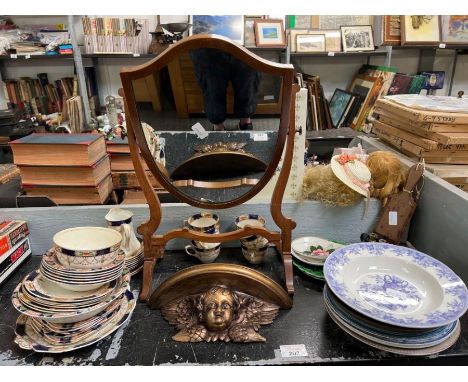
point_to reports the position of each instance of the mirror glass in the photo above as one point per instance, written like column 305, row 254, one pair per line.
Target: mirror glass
column 211, row 123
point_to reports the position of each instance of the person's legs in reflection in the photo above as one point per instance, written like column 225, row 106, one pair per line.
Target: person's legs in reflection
column 212, row 75
column 245, row 82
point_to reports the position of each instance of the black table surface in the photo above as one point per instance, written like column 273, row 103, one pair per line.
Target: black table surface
column 146, row 338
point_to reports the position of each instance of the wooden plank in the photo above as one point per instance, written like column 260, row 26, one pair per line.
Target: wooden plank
column 426, row 126
column 444, row 138
column 422, row 115
column 447, row 171
column 426, row 144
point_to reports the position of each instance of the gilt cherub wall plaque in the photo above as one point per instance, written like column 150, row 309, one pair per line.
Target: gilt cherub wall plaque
column 219, row 314
column 209, row 303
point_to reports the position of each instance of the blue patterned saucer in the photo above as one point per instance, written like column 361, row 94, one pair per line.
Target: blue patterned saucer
column 396, row 285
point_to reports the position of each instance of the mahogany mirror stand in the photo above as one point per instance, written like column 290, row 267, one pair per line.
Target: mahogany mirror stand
column 154, row 244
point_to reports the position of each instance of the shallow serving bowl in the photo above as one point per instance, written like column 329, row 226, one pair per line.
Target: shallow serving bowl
column 88, row 241
column 396, row 285
column 314, row 247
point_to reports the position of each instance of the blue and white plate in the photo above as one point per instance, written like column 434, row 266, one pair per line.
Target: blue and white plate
column 396, row 285
column 386, row 334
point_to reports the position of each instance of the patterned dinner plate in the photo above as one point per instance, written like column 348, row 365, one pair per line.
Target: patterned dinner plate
column 27, row 338
column 396, row 285
column 308, row 260
column 312, row 271
column 43, row 289
column 79, row 314
column 387, row 334
column 314, row 248
column 398, row 350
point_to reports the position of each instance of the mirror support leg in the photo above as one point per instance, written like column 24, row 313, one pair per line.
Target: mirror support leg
column 148, row 269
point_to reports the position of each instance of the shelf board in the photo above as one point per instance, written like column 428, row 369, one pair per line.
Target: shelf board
column 117, row 55
column 336, row 54
column 7, row 57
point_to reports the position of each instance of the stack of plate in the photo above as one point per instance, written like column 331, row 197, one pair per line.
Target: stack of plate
column 79, row 294
column 310, row 254
column 134, row 261
column 394, row 298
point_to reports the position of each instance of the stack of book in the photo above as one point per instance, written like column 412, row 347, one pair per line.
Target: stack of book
column 116, row 35
column 123, row 172
column 433, row 128
column 67, row 168
column 14, row 246
column 37, row 95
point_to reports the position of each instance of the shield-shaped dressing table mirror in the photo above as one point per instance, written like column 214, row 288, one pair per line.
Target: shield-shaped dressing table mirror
column 204, row 168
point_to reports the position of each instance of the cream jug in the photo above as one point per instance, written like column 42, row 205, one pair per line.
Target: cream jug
column 121, row 220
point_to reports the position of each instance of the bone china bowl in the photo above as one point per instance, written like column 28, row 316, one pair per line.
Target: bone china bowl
column 87, row 241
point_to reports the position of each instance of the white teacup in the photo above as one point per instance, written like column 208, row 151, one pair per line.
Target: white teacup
column 204, row 255
column 254, row 254
column 205, row 222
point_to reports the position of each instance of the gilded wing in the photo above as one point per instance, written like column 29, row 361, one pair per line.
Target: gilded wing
column 180, row 312
column 255, row 312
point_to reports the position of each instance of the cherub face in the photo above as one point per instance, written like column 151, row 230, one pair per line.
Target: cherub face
column 218, row 310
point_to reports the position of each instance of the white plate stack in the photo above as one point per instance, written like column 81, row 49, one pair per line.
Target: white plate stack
column 79, row 295
column 394, row 298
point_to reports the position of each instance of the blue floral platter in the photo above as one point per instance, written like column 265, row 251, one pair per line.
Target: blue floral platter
column 396, row 285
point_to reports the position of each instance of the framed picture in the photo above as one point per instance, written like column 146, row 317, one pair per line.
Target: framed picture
column 249, row 31
column 364, row 86
column 292, row 33
column 357, row 38
column 231, row 26
column 339, row 105
column 420, row 30
column 391, row 30
column 270, row 33
column 332, row 39
column 310, row 43
column 454, row 29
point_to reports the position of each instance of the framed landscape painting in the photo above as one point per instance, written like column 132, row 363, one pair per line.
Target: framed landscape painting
column 309, row 43
column 270, row 33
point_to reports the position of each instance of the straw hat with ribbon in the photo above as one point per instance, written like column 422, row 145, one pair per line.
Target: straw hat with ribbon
column 352, row 172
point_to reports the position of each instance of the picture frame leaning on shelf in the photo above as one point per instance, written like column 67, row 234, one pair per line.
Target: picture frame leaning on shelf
column 357, row 38
column 269, row 33
column 420, row 30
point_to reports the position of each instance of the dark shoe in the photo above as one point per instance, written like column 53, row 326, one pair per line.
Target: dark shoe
column 246, row 126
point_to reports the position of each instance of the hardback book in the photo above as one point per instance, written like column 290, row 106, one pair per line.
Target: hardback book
column 58, row 149
column 128, row 179
column 420, row 115
column 66, row 195
column 123, row 162
column 66, row 175
column 11, row 232
column 8, row 170
column 13, row 259
column 118, row 146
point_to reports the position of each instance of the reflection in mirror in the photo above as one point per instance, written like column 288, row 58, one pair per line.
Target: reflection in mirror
column 211, row 121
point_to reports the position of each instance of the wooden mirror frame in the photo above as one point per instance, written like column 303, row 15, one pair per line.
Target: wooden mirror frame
column 154, row 244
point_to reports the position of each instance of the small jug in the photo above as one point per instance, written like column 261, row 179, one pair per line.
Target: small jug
column 121, row 220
